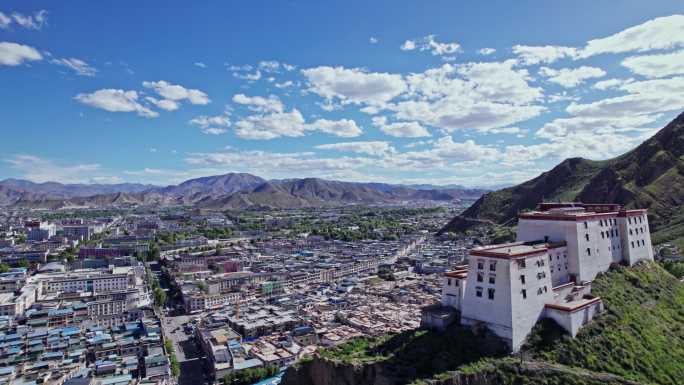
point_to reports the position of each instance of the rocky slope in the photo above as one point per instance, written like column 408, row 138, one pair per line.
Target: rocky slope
column 650, row 176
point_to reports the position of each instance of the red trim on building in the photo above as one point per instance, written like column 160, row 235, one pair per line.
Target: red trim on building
column 575, row 308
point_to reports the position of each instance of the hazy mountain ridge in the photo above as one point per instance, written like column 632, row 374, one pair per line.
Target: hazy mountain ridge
column 229, row 191
column 650, row 176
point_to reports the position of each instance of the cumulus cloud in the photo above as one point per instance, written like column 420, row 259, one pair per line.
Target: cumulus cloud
column 212, row 125
column 37, row 169
column 260, row 104
column 13, row 54
column 571, row 77
column 645, row 97
column 35, row 21
column 115, row 100
column 354, row 85
column 659, row 33
column 5, row 21
column 275, row 124
column 199, row 64
column 374, row 148
column 373, row 40
column 531, row 55
column 611, row 83
column 177, row 93
column 656, row 66
column 164, row 104
column 400, row 129
column 77, row 65
column 469, row 96
column 486, row 51
column 430, row 44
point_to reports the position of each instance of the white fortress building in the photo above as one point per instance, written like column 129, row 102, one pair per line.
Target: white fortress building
column 547, row 272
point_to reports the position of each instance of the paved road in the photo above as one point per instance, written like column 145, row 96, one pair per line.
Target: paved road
column 188, row 353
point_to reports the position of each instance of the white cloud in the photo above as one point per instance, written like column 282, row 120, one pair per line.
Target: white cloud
column 571, row 77
column 531, row 55
column 400, row 129
column 249, row 77
column 13, row 54
column 659, row 33
column 656, row 66
column 345, row 128
column 611, row 83
column 164, row 104
column 643, row 98
column 199, row 64
column 260, row 104
column 114, row 100
column 37, row 169
column 429, row 43
column 269, row 65
column 212, row 125
column 373, row 40
column 79, row 66
column 354, row 85
column 207, row 121
column 285, row 84
column 374, row 148
column 577, row 125
column 409, row 45
column 214, row 130
column 37, row 21
column 5, row 21
column 486, row 51
column 469, row 96
column 275, row 124
column 177, row 93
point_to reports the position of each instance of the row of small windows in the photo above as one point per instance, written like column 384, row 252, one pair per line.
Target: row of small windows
column 565, row 256
column 639, row 243
column 606, row 222
column 610, row 234
column 479, row 291
column 637, row 230
column 640, row 219
column 540, row 291
column 492, row 278
column 492, row 265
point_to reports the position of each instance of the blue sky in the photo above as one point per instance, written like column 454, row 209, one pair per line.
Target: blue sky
column 469, row 92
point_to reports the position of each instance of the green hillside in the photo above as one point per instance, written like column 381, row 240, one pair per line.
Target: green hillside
column 639, row 339
column 650, row 176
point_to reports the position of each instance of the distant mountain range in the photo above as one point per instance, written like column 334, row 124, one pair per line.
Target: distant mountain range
column 229, row 191
column 650, row 176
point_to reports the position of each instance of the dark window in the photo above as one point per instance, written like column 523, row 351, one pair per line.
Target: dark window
column 490, row 293
column 586, row 225
column 492, row 266
column 480, row 277
column 524, row 293
column 522, row 279
column 632, row 244
column 480, row 265
column 587, row 237
column 478, row 291
column 492, row 279
column 449, row 282
column 588, row 251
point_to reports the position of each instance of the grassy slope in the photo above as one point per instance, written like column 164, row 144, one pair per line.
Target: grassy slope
column 640, row 337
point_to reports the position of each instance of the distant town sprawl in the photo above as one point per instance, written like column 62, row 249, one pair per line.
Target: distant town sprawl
column 128, row 296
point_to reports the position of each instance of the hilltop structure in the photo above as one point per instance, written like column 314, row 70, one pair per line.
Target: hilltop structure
column 547, row 272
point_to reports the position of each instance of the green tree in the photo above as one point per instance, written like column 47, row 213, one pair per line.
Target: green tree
column 153, row 253
column 23, row 263
column 4, row 268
